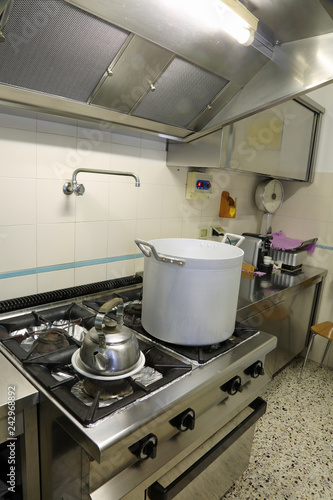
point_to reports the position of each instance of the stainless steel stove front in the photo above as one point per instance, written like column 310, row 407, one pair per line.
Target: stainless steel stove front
column 153, row 447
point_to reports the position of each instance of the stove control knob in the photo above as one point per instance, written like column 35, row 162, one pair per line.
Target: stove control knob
column 185, row 421
column 233, row 386
column 255, row 370
column 145, row 448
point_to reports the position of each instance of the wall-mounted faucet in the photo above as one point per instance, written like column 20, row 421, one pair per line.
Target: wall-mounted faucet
column 79, row 189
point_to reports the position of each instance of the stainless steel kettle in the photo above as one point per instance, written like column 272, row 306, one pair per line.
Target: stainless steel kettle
column 110, row 348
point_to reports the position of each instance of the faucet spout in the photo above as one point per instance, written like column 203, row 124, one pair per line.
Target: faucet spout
column 79, row 189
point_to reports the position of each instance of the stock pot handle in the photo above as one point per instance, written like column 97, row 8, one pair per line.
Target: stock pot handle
column 151, row 250
column 240, row 238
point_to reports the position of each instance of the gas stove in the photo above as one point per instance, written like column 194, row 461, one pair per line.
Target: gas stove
column 197, row 354
column 44, row 341
column 129, row 432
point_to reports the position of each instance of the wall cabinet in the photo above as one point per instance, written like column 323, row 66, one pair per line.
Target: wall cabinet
column 278, row 142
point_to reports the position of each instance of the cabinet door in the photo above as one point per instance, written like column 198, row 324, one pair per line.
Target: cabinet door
column 289, row 321
column 279, row 142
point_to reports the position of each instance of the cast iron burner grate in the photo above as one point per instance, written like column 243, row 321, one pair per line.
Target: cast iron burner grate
column 200, row 354
column 42, row 368
column 203, row 354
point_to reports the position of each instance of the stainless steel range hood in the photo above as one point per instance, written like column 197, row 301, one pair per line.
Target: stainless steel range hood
column 154, row 67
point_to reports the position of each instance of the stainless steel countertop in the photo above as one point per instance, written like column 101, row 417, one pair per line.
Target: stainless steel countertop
column 25, row 393
column 268, row 290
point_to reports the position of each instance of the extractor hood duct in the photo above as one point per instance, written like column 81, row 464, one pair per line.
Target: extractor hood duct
column 153, row 66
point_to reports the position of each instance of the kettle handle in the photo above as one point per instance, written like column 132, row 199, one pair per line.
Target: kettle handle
column 158, row 256
column 240, row 238
column 108, row 327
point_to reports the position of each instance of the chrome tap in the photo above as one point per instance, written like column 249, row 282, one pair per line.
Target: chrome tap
column 79, row 189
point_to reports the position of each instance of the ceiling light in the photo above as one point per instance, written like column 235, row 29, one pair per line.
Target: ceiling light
column 237, row 21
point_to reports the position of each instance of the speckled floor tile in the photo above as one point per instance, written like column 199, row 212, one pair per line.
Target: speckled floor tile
column 292, row 454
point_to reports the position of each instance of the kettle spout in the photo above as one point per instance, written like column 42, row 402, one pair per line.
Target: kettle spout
column 100, row 361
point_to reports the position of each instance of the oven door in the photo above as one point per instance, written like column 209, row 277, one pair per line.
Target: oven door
column 211, row 470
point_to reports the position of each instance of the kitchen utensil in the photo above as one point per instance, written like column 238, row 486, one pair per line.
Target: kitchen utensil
column 109, row 348
column 190, row 289
column 256, row 247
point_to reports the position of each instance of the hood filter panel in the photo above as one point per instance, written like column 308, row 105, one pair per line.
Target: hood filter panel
column 55, row 48
column 182, row 93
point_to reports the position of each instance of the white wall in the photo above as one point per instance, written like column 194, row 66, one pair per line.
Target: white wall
column 307, row 212
column 49, row 240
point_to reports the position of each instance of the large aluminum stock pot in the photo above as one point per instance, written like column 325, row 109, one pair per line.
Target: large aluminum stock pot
column 190, row 289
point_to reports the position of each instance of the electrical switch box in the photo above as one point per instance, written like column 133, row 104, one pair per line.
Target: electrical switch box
column 199, row 186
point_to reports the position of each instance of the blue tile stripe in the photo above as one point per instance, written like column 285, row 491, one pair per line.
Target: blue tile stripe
column 70, row 265
column 324, row 247
column 85, row 263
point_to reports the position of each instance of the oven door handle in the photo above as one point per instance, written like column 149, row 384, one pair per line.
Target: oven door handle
column 158, row 492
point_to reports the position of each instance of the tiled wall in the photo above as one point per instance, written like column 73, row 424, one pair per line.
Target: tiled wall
column 49, row 240
column 307, row 212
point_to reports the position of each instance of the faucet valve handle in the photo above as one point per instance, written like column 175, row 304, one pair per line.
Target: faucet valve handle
column 79, row 189
column 70, row 188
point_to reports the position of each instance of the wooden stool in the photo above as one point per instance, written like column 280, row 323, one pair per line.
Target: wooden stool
column 324, row 330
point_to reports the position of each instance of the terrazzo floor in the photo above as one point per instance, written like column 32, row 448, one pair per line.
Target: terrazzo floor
column 292, row 454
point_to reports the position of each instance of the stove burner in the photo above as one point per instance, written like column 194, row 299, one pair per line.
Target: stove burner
column 132, row 313
column 51, row 340
column 133, row 308
column 116, row 389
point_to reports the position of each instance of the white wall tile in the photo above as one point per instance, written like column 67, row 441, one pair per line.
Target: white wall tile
column 192, row 208
column 317, row 350
column 211, row 206
column 90, row 274
column 174, row 176
column 152, row 166
column 125, row 159
column 95, row 135
column 56, row 125
column 171, row 228
column 321, row 258
column 149, row 202
column 18, row 287
column 18, row 120
column 139, row 265
column 123, row 200
column 295, row 206
column 152, row 142
column 91, row 240
column 55, row 280
column 93, row 205
column 56, row 156
column 93, row 155
column 172, row 201
column 148, row 229
column 53, row 206
column 126, row 138
column 307, row 229
column 55, row 244
column 321, row 185
column 18, row 153
column 318, row 208
column 120, row 269
column 17, row 201
column 190, row 227
column 17, row 248
column 121, row 236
